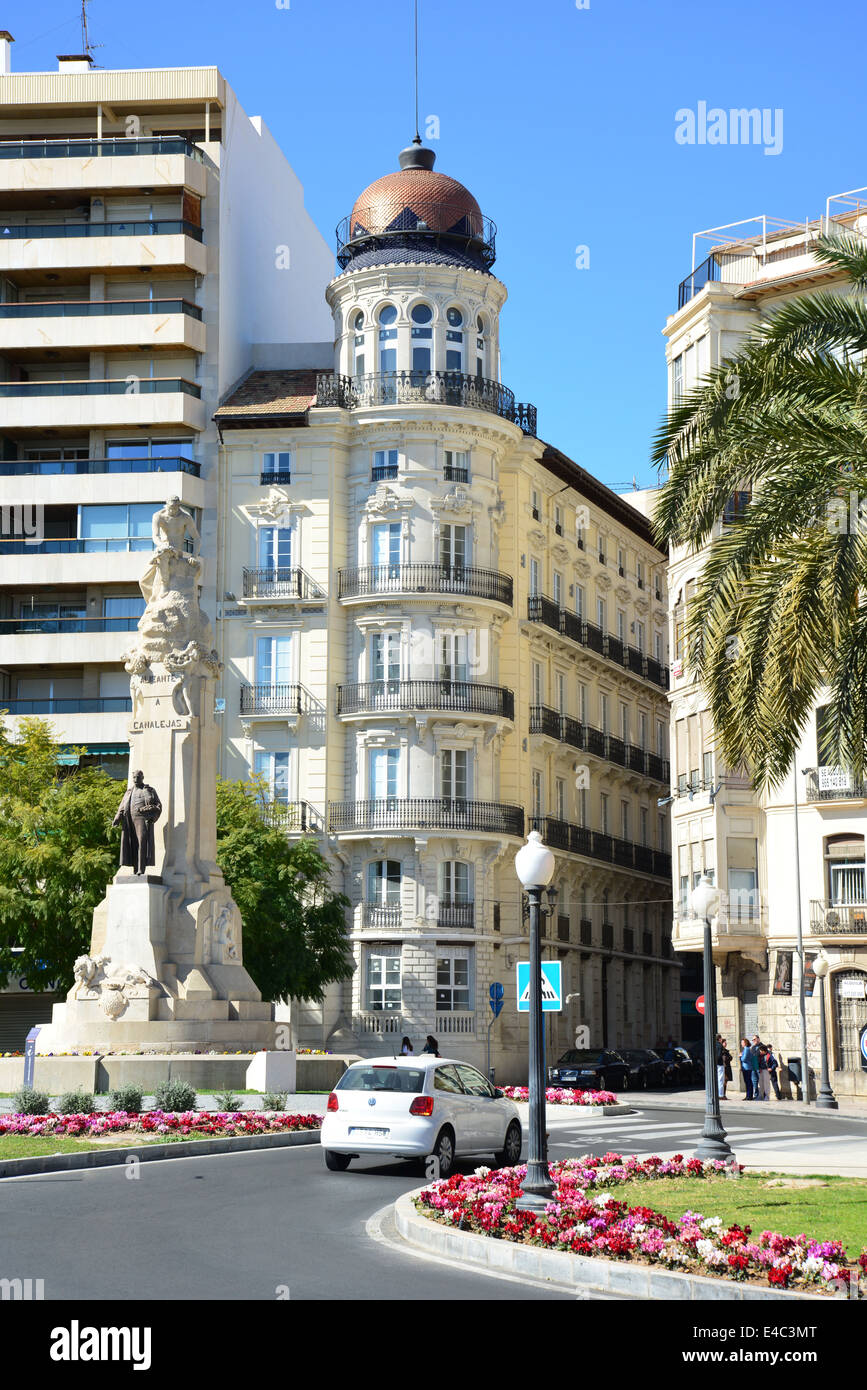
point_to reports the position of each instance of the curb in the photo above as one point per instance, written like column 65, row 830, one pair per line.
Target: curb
column 149, row 1153
column 588, row 1111
column 575, row 1271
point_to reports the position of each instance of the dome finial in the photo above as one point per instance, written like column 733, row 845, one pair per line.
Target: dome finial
column 417, row 156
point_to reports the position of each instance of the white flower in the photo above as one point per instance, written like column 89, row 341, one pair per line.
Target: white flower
column 711, row 1223
column 481, row 1172
column 705, row 1248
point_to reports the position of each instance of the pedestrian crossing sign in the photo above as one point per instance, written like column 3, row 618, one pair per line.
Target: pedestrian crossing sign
column 552, row 986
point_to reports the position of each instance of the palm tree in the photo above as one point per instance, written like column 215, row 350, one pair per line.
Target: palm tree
column 780, row 610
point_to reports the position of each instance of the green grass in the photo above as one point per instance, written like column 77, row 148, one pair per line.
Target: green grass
column 23, row 1146
column 835, row 1211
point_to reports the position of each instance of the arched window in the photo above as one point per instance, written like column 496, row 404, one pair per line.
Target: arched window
column 456, row 894
column 382, row 904
column 481, row 347
column 358, row 356
column 454, row 340
column 387, row 338
column 422, row 338
column 850, row 1016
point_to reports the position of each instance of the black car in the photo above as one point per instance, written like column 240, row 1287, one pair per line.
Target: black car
column 646, row 1068
column 590, row 1070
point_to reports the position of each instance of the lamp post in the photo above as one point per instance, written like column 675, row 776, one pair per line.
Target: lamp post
column 713, row 1137
column 534, row 865
column 825, row 1100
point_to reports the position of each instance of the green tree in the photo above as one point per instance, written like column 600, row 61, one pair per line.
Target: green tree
column 779, row 610
column 57, row 853
column 294, row 924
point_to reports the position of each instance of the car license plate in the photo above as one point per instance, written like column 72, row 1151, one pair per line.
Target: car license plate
column 367, row 1133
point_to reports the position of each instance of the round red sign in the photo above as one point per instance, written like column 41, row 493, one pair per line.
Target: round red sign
column 699, row 1004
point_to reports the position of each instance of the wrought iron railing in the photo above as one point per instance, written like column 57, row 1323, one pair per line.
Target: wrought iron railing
column 383, row 473
column 452, row 915
column 269, row 478
column 578, row 839
column 286, row 583
column 485, row 817
column 21, row 468
column 361, row 582
column 838, row 919
column 541, row 609
column 459, row 228
column 271, row 699
column 467, row 697
column 295, row 817
column 37, row 231
column 704, row 274
column 568, row 730
column 834, row 784
column 451, row 474
column 96, row 308
column 426, row 388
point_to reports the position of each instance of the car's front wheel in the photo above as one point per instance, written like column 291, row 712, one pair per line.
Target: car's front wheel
column 337, row 1163
column 510, row 1154
column 443, row 1153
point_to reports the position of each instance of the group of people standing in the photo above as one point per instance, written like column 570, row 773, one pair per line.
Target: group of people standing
column 430, row 1045
column 759, row 1066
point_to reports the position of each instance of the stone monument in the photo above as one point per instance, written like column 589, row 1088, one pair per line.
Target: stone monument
column 165, row 970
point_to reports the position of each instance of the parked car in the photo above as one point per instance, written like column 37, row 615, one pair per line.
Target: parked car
column 646, row 1068
column 682, row 1069
column 416, row 1107
column 590, row 1070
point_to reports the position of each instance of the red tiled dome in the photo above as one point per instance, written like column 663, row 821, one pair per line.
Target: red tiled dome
column 439, row 201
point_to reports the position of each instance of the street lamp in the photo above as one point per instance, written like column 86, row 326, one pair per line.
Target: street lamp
column 534, row 865
column 825, row 1099
column 705, row 898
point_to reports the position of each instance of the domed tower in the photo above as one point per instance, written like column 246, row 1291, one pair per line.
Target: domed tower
column 425, row 427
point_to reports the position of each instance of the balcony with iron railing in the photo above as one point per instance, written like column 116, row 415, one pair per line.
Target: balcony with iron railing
column 465, row 697
column 293, row 817
column 426, row 388
column 401, row 580
column 457, row 229
column 834, row 784
column 409, row 815
column 541, row 609
column 277, row 700
column 595, row 844
column 832, row 919
column 290, row 583
column 382, row 917
column 741, row 919
column 52, row 231
column 565, row 729
column 94, row 147
column 45, row 468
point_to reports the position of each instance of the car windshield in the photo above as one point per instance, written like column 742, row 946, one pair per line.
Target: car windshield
column 577, row 1059
column 640, row 1055
column 382, row 1079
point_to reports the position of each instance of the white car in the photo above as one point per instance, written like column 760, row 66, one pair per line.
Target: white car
column 418, row 1107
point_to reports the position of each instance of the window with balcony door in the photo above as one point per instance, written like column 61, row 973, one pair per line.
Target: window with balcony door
column 643, row 822
column 557, row 592
column 382, row 905
column 456, row 465
column 387, row 339
column 677, row 380
column 384, row 978
column 422, row 338
column 385, row 462
column 621, row 625
column 642, row 732
column 657, row 647
column 455, row 774
column 453, row 979
column 538, row 684
column 454, row 547
column 277, row 468
column 601, row 615
column 624, row 820
column 604, row 799
column 743, row 877
column 561, row 692
column 582, row 702
column 385, row 661
column 122, row 614
column 603, row 713
column 358, row 343
column 456, row 894
column 534, row 577
column 143, row 448
column 454, row 340
column 453, row 656
column 275, row 548
column 624, row 723
column 580, row 600
column 639, row 636
column 560, row 798
column 275, row 667
column 124, row 527
column 272, row 769
column 844, row 856
column 538, row 794
column 383, row 768
column 385, row 548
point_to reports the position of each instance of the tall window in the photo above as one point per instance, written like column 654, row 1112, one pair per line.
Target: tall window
column 538, row 685
column 385, row 656
column 275, row 547
column 387, row 339
column 455, row 774
column 538, row 794
column 481, row 346
column 560, row 798
column 358, row 345
column 558, row 589
column 384, row 464
column 534, row 576
column 621, row 624
column 601, row 616
column 274, row 664
column 604, row 807
column 454, row 665
column 558, row 520
column 846, row 872
column 383, row 768
column 385, row 546
column 422, row 335
column 277, row 468
column 624, row 820
column 677, row 380
column 456, row 883
column 122, row 527
column 456, row 468
column 639, row 636
column 383, row 978
column 561, row 692
column 643, row 820
column 383, row 883
column 603, row 713
column 454, row 340
column 580, row 601
column 453, row 979
column 624, row 723
column 273, row 769
column 642, row 732
column 453, row 547
column 582, row 702
column 657, row 647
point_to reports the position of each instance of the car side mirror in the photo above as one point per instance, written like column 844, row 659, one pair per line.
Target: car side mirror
column 498, row 1095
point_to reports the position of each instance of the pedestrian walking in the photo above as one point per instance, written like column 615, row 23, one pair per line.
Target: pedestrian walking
column 746, row 1067
column 431, row 1045
column 761, row 1079
column 727, row 1068
column 773, row 1068
column 720, row 1067
column 406, row 1048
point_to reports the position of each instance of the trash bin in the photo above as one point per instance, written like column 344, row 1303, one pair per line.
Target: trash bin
column 794, row 1066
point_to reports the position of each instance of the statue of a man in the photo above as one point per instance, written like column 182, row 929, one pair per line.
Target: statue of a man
column 172, row 525
column 137, row 813
column 171, row 568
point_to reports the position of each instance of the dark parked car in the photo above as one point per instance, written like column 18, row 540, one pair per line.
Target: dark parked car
column 590, row 1070
column 696, row 1053
column 646, row 1068
column 681, row 1069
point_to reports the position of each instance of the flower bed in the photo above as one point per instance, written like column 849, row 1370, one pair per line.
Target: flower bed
column 557, row 1096
column 584, row 1221
column 157, row 1122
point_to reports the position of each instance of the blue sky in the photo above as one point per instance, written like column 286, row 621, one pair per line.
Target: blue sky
column 562, row 123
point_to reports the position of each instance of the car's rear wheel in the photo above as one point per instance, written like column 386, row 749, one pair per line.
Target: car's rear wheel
column 510, row 1153
column 443, row 1152
column 337, row 1163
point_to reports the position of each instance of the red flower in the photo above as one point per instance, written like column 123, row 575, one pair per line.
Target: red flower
column 780, row 1276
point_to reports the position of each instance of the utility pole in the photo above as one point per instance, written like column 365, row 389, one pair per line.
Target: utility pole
column 802, row 1004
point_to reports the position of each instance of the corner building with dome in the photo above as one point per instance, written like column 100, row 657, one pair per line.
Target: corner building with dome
column 439, row 633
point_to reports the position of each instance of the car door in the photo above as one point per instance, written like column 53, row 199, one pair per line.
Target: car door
column 487, row 1120
column 452, row 1106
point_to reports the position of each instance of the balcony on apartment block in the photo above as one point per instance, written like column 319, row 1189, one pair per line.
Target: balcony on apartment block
column 426, row 388
column 277, row 702
column 564, row 729
column 741, row 923
column 92, row 163
column 445, row 696
column 833, row 920
column 406, row 581
column 407, row 816
column 595, row 844
column 279, row 584
column 92, row 325
column 834, row 784
column 78, row 244
column 36, row 640
column 541, row 609
column 123, row 402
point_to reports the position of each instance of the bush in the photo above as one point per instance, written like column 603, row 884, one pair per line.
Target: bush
column 75, row 1103
column 127, row 1098
column 30, row 1102
column 175, row 1096
column 274, row 1100
column 228, row 1101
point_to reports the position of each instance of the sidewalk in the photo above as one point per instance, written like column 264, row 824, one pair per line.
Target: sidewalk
column 737, row 1103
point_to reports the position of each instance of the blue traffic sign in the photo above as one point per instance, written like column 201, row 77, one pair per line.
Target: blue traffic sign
column 497, row 994
column 864, row 1048
column 552, row 986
